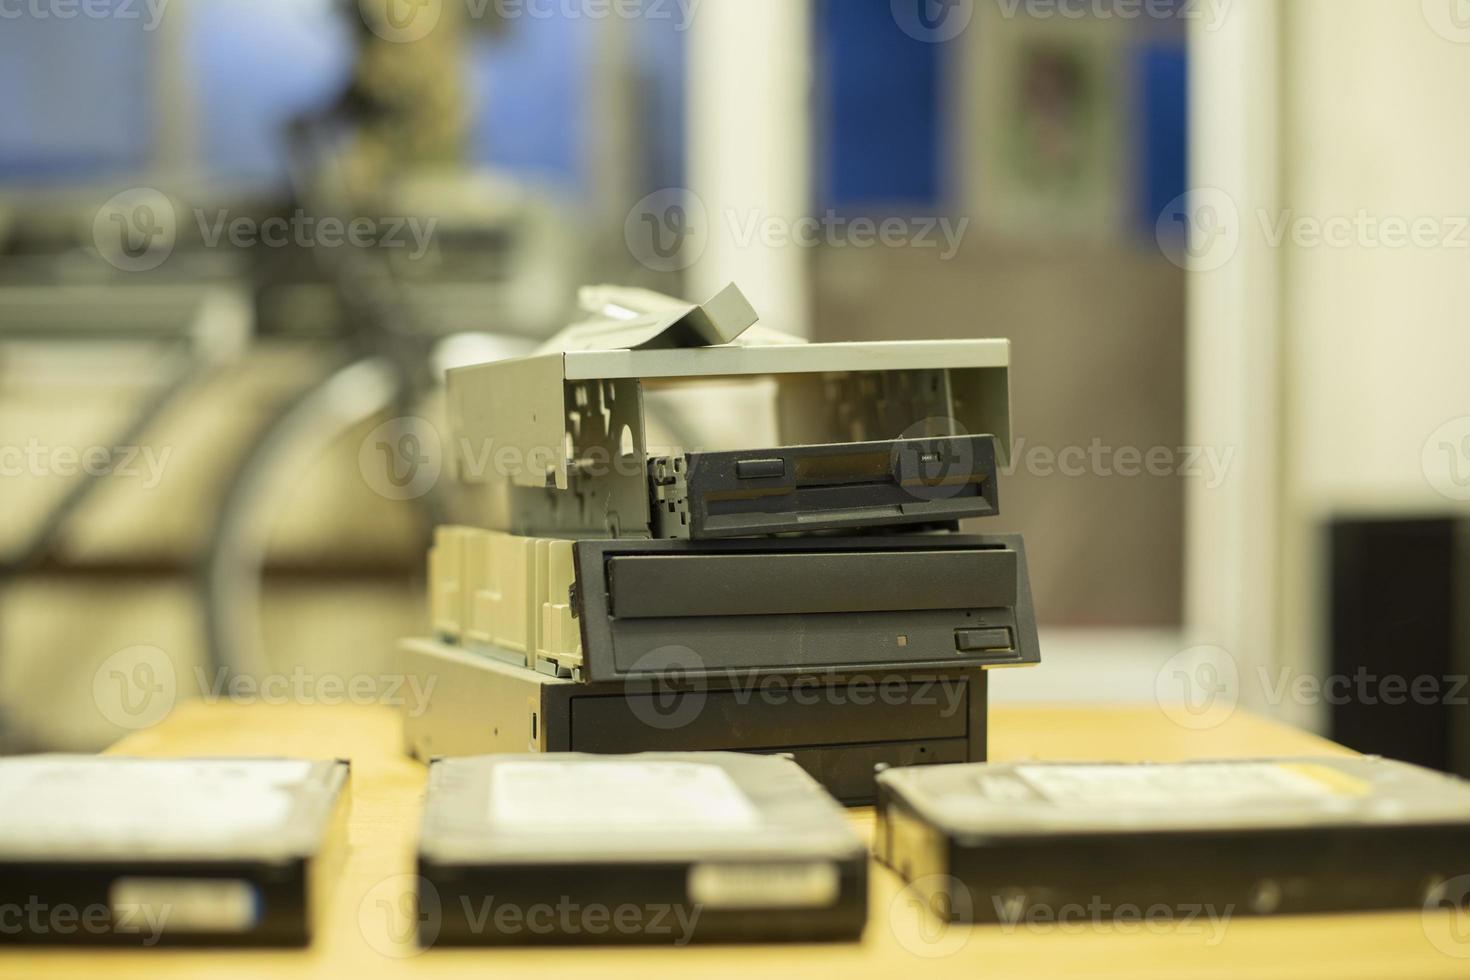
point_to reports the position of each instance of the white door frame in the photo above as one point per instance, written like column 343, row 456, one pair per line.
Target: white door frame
column 1232, row 536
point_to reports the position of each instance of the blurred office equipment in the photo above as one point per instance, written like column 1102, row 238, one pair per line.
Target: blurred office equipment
column 258, row 369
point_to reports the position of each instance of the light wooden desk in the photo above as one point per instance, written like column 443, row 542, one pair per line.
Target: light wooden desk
column 353, row 940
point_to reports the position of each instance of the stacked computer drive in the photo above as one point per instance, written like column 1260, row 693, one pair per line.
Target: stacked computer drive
column 699, row 534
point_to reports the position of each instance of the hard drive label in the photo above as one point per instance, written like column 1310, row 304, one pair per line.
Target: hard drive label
column 617, row 796
column 185, row 905
column 1217, row 784
column 43, row 801
column 744, row 886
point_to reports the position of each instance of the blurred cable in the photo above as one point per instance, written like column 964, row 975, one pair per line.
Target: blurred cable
column 43, row 541
column 234, row 559
column 386, row 364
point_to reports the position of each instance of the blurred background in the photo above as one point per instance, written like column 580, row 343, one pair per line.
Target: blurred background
column 242, row 240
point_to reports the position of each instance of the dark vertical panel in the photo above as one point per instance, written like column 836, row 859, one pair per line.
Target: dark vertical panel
column 1393, row 616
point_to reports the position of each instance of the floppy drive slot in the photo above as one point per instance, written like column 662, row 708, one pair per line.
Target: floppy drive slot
column 935, row 481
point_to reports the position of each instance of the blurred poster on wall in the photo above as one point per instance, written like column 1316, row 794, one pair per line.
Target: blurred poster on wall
column 1047, row 132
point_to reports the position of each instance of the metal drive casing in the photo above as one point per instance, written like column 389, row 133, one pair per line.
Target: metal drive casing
column 144, row 852
column 1006, row 843
column 836, row 726
column 663, row 848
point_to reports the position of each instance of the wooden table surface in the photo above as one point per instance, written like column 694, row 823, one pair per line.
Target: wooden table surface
column 355, row 938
